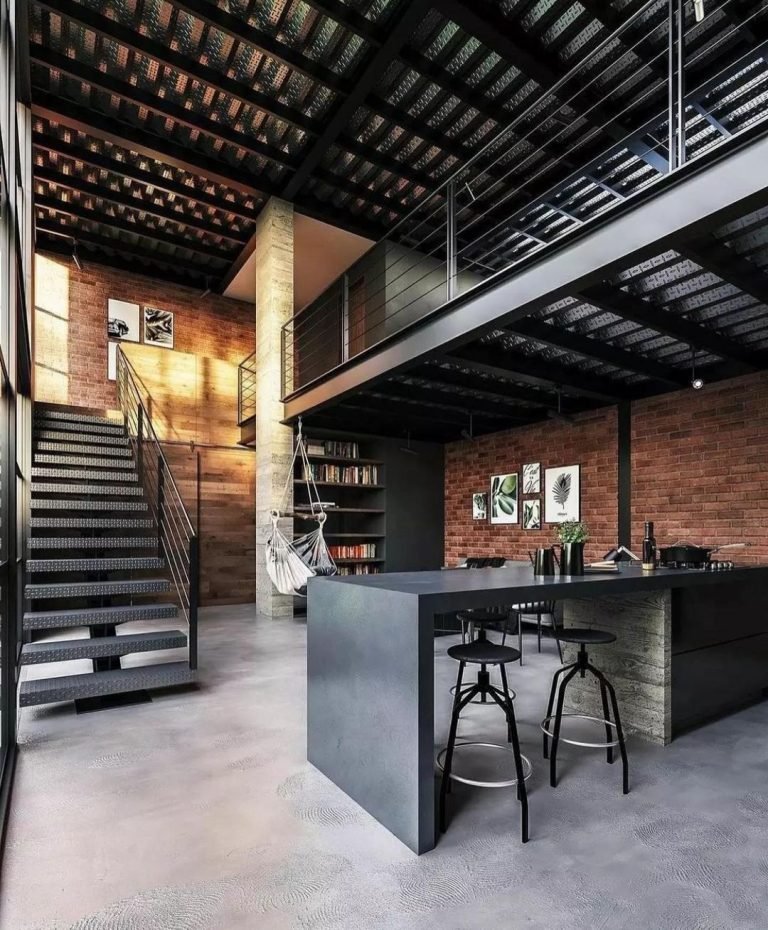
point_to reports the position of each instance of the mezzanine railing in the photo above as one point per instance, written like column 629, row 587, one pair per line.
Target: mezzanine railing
column 246, row 389
column 651, row 86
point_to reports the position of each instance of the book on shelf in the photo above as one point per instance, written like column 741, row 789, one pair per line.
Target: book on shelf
column 343, row 474
column 333, row 448
column 357, row 551
column 358, row 570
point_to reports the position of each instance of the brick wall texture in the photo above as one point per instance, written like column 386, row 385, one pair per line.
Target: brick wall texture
column 698, row 471
column 71, row 326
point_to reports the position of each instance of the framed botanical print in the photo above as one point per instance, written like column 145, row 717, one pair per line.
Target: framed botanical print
column 562, row 493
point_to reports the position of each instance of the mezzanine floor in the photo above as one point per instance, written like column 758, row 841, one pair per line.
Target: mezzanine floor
column 199, row 812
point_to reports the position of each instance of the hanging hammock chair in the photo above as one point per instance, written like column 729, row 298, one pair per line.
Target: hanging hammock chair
column 290, row 563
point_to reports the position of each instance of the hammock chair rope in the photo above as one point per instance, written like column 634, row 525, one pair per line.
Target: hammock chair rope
column 290, row 563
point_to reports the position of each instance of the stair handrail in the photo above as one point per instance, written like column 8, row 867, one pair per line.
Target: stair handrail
column 177, row 539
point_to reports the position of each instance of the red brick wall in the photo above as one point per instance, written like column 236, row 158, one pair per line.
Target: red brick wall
column 71, row 326
column 589, row 442
column 698, row 471
column 699, row 466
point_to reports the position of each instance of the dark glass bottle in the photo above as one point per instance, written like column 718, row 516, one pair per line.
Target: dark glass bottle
column 649, row 548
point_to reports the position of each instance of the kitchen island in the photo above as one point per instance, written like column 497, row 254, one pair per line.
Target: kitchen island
column 692, row 645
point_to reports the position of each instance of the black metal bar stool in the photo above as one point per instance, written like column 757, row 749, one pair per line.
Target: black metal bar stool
column 537, row 609
column 481, row 619
column 483, row 653
column 581, row 666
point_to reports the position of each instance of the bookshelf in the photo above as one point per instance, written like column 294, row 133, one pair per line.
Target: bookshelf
column 355, row 530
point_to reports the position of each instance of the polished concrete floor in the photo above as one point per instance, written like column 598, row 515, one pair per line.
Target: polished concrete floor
column 199, row 812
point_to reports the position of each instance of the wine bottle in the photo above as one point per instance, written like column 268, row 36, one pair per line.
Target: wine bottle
column 649, row 548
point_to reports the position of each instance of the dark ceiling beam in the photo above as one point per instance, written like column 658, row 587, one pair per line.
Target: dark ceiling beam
column 486, row 22
column 367, row 422
column 162, row 107
column 194, row 70
column 495, row 391
column 161, row 236
column 500, row 363
column 402, row 416
column 90, row 122
column 363, row 82
column 142, row 258
column 569, row 341
column 630, row 307
column 126, row 171
column 730, row 267
column 102, row 192
column 401, row 392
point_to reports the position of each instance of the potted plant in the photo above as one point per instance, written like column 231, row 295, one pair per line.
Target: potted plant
column 572, row 535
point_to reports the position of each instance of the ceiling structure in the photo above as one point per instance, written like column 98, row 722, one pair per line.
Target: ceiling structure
column 163, row 126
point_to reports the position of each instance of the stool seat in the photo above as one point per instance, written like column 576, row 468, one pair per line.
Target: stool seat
column 483, row 652
column 482, row 616
column 585, row 637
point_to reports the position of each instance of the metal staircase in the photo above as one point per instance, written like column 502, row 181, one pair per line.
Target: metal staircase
column 110, row 545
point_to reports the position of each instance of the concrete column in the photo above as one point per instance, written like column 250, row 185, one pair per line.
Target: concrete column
column 274, row 442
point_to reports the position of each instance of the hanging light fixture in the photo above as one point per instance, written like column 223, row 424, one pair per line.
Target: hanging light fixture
column 698, row 10
column 697, row 382
column 469, row 433
column 558, row 414
column 75, row 256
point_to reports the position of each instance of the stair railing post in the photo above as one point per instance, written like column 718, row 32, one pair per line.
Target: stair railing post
column 194, row 594
column 140, row 442
column 160, row 504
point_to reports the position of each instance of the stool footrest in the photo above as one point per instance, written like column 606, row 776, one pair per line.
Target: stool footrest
column 573, row 742
column 476, row 783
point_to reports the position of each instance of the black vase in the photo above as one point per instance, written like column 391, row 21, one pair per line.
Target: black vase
column 572, row 558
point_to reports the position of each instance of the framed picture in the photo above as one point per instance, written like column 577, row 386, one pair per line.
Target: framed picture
column 122, row 320
column 112, row 361
column 532, row 478
column 562, row 493
column 158, row 327
column 504, row 495
column 480, row 506
column 532, row 515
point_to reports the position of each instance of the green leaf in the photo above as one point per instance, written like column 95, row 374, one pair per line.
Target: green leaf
column 509, row 485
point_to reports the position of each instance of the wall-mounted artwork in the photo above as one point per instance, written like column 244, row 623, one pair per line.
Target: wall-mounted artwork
column 158, row 327
column 112, row 361
column 504, row 490
column 532, row 515
column 123, row 320
column 480, row 506
column 562, row 494
column 532, row 478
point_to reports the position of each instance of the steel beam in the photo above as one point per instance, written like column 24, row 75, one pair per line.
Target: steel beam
column 729, row 267
column 699, row 197
column 438, row 399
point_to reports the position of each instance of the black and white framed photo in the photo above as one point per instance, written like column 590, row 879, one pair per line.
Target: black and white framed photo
column 123, row 320
column 562, row 494
column 480, row 506
column 504, row 495
column 532, row 515
column 158, row 327
column 532, row 478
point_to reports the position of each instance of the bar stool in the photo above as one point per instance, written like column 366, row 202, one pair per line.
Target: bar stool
column 536, row 609
column 581, row 666
column 482, row 619
column 483, row 653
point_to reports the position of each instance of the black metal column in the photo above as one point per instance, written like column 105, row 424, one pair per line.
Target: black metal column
column 624, row 443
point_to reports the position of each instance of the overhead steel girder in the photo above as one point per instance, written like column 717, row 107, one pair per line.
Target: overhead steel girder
column 698, row 197
column 439, row 399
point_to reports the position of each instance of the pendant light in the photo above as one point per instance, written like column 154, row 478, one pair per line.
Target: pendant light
column 697, row 382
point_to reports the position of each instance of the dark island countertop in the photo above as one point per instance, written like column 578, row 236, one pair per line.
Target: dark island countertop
column 447, row 589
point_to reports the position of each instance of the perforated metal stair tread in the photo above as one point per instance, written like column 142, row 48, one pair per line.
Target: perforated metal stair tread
column 101, row 439
column 81, row 461
column 129, row 563
column 49, row 413
column 51, row 503
column 39, row 487
column 64, row 650
column 97, row 588
column 97, row 616
column 92, row 542
column 79, row 426
column 86, row 474
column 90, row 523
column 97, row 684
column 66, row 447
